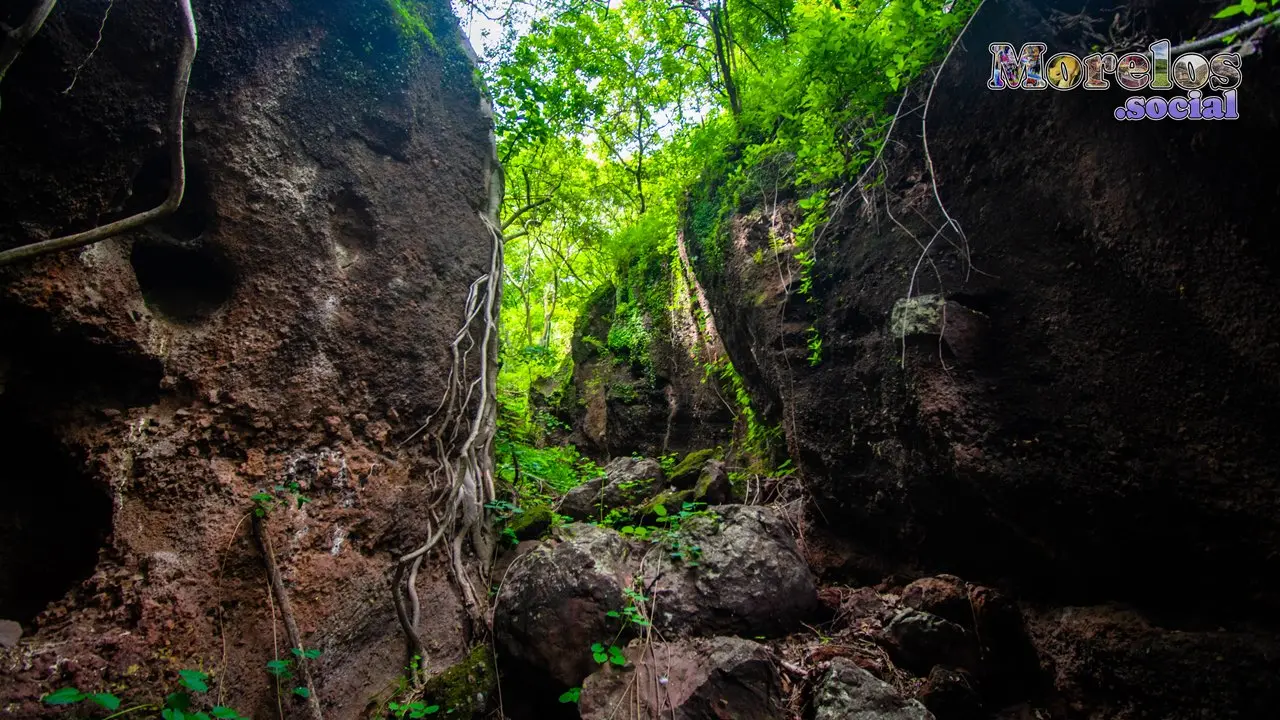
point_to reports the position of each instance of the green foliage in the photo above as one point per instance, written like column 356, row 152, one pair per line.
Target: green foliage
column 621, row 123
column 611, row 654
column 572, row 695
column 265, row 501
column 1246, row 7
column 177, row 705
column 411, row 17
column 283, row 669
column 813, row 340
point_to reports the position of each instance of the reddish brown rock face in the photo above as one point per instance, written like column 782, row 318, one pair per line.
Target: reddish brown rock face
column 290, row 324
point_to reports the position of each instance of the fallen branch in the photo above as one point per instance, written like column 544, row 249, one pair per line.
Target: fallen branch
column 177, row 161
column 1255, row 23
column 286, row 613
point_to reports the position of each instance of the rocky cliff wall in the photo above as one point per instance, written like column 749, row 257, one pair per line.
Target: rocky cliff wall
column 290, row 324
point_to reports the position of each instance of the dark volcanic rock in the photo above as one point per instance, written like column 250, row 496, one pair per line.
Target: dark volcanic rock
column 699, row 679
column 290, row 323
column 1112, row 663
column 750, row 578
column 552, row 605
column 847, row 692
column 1085, row 407
column 919, row 640
column 951, row 695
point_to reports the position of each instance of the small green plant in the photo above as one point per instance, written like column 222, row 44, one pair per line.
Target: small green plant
column 412, row 709
column 572, row 695
column 608, row 654
column 291, row 493
column 282, row 670
column 1246, row 7
column 176, row 705
column 814, row 342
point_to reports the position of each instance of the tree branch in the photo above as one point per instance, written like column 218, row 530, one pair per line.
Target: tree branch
column 531, row 206
column 177, row 164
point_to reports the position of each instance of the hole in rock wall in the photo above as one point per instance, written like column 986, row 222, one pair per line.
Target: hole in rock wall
column 180, row 283
column 53, row 521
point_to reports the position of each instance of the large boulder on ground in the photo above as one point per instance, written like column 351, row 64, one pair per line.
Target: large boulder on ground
column 847, row 692
column 582, row 502
column 553, row 602
column 919, row 640
column 627, row 481
column 700, row 679
column 750, row 578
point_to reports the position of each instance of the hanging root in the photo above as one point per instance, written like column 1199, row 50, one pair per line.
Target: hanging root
column 461, row 430
column 173, row 136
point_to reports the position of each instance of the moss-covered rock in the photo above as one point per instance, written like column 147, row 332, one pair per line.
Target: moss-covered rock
column 531, row 524
column 670, row 500
column 685, row 474
column 465, row 690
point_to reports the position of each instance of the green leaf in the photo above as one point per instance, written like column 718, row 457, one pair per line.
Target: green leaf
column 65, row 696
column 1228, row 11
column 302, row 692
column 613, row 614
column 572, row 695
column 279, row 668
column 193, row 680
column 172, row 714
column 177, row 701
column 225, row 713
column 660, row 510
column 106, row 700
column 600, row 657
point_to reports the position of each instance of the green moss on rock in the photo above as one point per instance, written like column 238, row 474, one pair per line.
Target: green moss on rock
column 533, row 523
column 464, row 690
column 685, row 474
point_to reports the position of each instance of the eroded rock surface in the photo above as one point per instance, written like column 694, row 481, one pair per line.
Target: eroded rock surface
column 847, row 692
column 750, row 578
column 697, row 679
column 289, row 324
column 553, row 603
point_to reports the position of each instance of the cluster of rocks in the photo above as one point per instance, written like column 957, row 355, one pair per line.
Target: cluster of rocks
column 711, row 631
column 640, row 483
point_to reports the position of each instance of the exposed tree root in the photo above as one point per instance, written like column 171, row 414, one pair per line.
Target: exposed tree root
column 461, row 431
column 173, row 133
column 286, row 613
column 16, row 40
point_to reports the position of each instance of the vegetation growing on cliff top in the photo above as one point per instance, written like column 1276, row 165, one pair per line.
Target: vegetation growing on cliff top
column 621, row 124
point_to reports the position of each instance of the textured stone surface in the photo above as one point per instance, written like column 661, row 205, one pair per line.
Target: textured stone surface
column 847, row 692
column 553, row 603
column 750, row 578
column 290, row 324
column 698, row 679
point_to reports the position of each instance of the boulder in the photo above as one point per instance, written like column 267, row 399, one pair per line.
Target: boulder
column 629, row 481
column 750, row 578
column 951, row 695
column 919, row 640
column 713, row 485
column 583, row 502
column 847, row 692
column 553, row 602
column 946, row 596
column 686, row 472
column 698, row 679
